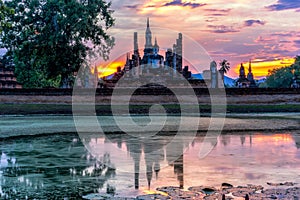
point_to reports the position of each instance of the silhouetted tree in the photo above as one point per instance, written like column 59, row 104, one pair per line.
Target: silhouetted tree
column 283, row 77
column 50, row 40
column 224, row 68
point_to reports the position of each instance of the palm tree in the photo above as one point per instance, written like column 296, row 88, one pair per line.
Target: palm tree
column 224, row 68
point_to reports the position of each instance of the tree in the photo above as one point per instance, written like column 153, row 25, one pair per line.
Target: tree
column 224, row 68
column 4, row 11
column 283, row 77
column 51, row 39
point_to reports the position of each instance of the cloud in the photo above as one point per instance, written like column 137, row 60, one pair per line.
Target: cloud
column 284, row 5
column 218, row 12
column 222, row 29
column 250, row 22
column 262, row 39
column 180, row 3
column 283, row 34
column 241, row 49
column 285, row 42
column 222, row 40
column 297, row 43
column 211, row 20
column 132, row 6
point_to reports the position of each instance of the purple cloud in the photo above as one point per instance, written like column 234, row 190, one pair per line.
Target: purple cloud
column 132, row 6
column 297, row 42
column 250, row 22
column 222, row 29
column 284, row 5
column 284, row 42
column 180, row 3
column 282, row 34
column 218, row 12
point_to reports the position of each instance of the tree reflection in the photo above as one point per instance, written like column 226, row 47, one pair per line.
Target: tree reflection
column 50, row 167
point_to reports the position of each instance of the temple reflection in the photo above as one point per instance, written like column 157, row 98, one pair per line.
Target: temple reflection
column 155, row 151
column 297, row 141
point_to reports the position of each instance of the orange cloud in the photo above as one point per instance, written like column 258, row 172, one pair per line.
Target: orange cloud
column 260, row 68
column 110, row 68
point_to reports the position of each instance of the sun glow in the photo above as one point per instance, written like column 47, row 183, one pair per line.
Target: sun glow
column 260, row 68
column 108, row 69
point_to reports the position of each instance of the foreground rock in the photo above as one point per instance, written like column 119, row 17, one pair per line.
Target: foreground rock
column 226, row 192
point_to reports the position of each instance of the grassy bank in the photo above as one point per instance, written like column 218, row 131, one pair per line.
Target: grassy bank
column 24, row 109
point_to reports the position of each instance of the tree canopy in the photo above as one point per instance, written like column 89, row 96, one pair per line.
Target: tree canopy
column 49, row 40
column 4, row 11
column 283, row 77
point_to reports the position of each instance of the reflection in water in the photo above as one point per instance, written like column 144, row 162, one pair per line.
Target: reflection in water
column 297, row 141
column 49, row 167
column 150, row 152
column 225, row 139
column 59, row 166
column 243, row 138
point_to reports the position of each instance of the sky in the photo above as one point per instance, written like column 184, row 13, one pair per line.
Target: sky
column 265, row 31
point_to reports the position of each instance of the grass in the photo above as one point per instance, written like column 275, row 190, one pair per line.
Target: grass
column 24, row 109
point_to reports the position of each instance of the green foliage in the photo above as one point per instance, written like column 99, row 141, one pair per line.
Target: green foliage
column 283, row 77
column 51, row 39
column 4, row 11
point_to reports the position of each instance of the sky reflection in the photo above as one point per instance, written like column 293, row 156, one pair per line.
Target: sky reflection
column 35, row 164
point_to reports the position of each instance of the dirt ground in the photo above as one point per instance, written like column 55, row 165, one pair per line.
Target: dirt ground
column 204, row 99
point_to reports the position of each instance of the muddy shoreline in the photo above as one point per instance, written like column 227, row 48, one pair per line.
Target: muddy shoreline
column 226, row 191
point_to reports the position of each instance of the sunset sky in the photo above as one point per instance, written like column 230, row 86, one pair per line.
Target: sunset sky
column 265, row 31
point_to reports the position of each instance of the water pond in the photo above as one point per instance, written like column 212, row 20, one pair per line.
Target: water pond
column 59, row 165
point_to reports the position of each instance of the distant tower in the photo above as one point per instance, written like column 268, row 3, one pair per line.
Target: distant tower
column 127, row 64
column 174, row 60
column 135, row 43
column 155, row 47
column 179, row 53
column 148, row 37
column 169, row 59
column 136, row 55
column 242, row 72
column 250, row 76
column 214, row 74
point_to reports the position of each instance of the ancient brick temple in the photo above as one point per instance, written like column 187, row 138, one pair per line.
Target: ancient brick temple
column 7, row 77
column 243, row 81
column 152, row 64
